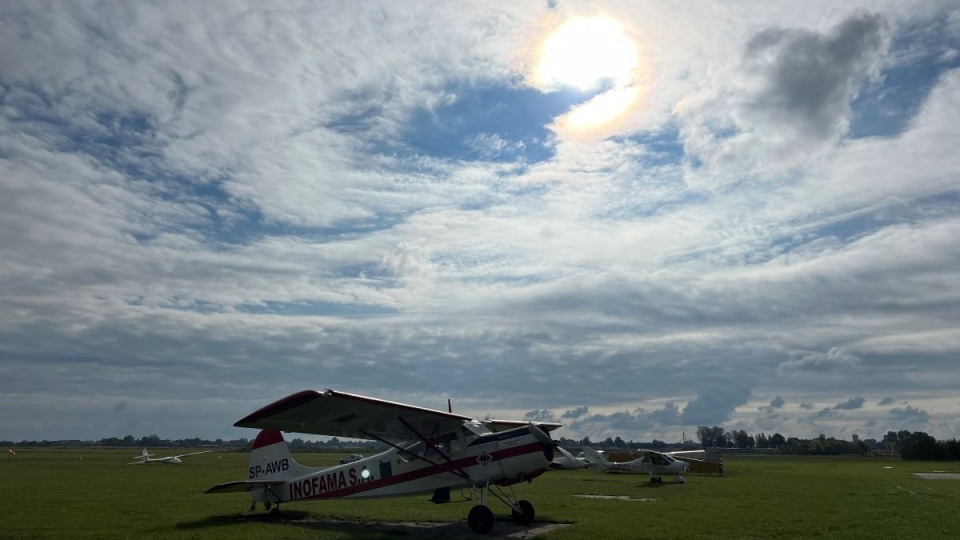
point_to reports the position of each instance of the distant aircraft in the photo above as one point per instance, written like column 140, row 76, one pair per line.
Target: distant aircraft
column 567, row 461
column 430, row 451
column 650, row 462
column 169, row 460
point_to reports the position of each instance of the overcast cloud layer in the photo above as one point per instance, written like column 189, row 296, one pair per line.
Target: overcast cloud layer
column 207, row 206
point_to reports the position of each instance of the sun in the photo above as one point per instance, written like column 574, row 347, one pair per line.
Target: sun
column 583, row 53
column 590, row 54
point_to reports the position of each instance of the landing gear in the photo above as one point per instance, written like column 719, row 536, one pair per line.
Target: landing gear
column 525, row 514
column 480, row 519
column 656, row 480
column 680, row 479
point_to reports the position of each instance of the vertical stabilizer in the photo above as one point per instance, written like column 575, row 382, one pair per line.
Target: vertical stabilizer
column 270, row 459
column 595, row 458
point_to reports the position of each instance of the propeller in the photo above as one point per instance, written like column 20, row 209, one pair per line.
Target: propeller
column 545, row 440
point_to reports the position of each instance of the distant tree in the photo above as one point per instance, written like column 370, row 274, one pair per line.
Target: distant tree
column 619, row 443
column 776, row 441
column 919, row 445
column 762, row 441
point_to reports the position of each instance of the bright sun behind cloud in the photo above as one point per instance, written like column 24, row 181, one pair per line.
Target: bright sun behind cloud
column 583, row 54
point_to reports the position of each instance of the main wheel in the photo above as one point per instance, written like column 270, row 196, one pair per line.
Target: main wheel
column 525, row 515
column 480, row 519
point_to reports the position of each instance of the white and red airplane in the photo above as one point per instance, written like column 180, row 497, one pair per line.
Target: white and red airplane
column 430, row 451
column 169, row 460
column 653, row 463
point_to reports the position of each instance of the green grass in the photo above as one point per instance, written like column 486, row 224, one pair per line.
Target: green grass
column 59, row 494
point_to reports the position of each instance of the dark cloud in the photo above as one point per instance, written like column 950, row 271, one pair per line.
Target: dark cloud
column 886, row 401
column 852, row 403
column 910, row 413
column 120, row 407
column 714, row 405
column 576, row 413
column 775, row 403
column 806, row 406
column 806, row 79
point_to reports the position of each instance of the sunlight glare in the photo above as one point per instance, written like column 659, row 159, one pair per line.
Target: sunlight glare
column 585, row 52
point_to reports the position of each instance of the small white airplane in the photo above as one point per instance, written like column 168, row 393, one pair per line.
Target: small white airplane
column 145, row 457
column 653, row 463
column 430, row 451
column 566, row 461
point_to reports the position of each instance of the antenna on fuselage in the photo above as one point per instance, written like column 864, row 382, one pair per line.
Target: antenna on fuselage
column 449, row 406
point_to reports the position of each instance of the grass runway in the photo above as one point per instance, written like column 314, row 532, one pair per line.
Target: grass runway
column 62, row 494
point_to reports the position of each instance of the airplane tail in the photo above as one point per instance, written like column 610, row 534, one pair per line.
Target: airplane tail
column 593, row 457
column 270, row 459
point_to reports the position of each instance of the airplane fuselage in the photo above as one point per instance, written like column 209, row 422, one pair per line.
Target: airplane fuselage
column 499, row 458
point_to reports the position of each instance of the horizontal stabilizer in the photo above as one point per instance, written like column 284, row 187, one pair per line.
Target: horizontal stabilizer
column 230, row 487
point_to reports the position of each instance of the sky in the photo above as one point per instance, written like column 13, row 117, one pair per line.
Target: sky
column 633, row 218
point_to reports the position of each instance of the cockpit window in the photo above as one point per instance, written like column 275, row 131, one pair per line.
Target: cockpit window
column 472, row 430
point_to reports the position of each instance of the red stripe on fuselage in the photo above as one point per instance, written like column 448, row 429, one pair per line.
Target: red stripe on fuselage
column 425, row 472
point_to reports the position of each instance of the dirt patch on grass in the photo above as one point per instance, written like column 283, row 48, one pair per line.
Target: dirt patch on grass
column 618, row 498
column 938, row 475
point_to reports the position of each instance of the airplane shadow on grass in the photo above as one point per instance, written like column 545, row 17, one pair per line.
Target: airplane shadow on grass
column 372, row 529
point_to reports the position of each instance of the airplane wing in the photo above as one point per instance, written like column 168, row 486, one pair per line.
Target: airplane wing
column 193, row 454
column 340, row 414
column 497, row 426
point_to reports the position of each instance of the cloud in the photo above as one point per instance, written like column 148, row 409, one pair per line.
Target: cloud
column 850, row 404
column 120, row 407
column 803, row 81
column 714, row 405
column 214, row 202
column 789, row 98
column 832, row 360
column 806, row 406
column 576, row 413
column 909, row 413
column 775, row 403
column 886, row 401
column 541, row 415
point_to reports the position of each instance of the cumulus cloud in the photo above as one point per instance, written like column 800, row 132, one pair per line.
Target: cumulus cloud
column 714, row 405
column 806, row 406
column 886, row 401
column 775, row 403
column 850, row 404
column 834, row 359
column 802, row 82
column 540, row 415
column 576, row 413
column 909, row 413
column 638, row 421
column 792, row 96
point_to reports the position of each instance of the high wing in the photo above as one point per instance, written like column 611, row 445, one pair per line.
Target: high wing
column 497, row 426
column 340, row 414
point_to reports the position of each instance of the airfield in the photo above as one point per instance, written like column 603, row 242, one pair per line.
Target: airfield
column 92, row 493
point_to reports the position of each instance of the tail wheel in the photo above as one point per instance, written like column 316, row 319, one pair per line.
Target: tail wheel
column 525, row 515
column 480, row 519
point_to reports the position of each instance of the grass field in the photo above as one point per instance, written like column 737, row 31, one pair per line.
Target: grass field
column 64, row 494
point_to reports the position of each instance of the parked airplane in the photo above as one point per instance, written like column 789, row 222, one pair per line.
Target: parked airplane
column 567, row 461
column 430, row 451
column 650, row 462
column 169, row 460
